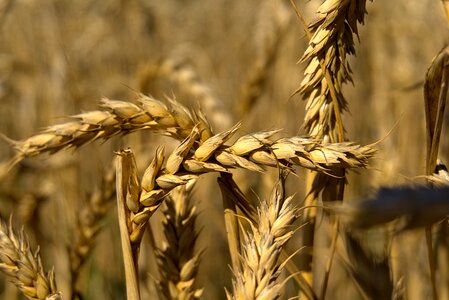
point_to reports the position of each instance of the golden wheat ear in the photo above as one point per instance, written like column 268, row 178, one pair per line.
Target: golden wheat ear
column 23, row 267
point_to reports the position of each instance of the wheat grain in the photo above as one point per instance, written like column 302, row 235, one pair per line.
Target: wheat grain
column 88, row 226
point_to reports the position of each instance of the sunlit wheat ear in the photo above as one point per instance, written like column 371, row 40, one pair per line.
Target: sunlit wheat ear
column 117, row 118
column 257, row 275
column 332, row 39
column 23, row 267
column 251, row 152
column 88, row 225
column 177, row 259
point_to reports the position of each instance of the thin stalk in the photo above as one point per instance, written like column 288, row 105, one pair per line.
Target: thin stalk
column 132, row 284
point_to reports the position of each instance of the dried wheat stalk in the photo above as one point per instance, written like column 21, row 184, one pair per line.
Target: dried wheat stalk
column 88, row 225
column 435, row 98
column 127, row 190
column 256, row 277
column 24, row 267
column 176, row 259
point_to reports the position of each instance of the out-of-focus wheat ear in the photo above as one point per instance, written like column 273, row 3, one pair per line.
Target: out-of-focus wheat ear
column 446, row 9
column 177, row 259
column 88, row 226
column 259, row 268
column 123, row 168
column 372, row 275
column 189, row 82
column 278, row 17
column 400, row 208
column 23, row 267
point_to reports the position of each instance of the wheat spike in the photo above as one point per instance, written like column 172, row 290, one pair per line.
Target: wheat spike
column 24, row 267
column 88, row 225
column 176, row 259
column 119, row 117
column 330, row 42
column 256, row 278
column 295, row 150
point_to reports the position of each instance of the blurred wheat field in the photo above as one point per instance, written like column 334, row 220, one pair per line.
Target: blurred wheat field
column 186, row 73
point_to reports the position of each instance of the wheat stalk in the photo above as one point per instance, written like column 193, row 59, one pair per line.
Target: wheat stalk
column 256, row 277
column 176, row 259
column 435, row 98
column 24, row 267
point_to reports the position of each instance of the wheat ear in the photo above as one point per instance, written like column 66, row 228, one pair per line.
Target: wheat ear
column 278, row 18
column 176, row 259
column 117, row 117
column 88, row 225
column 330, row 41
column 24, row 267
column 256, row 277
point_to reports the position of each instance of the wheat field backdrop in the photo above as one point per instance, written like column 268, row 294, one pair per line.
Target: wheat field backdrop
column 221, row 149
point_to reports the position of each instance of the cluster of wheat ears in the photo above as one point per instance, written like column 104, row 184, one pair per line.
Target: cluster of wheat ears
column 261, row 265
